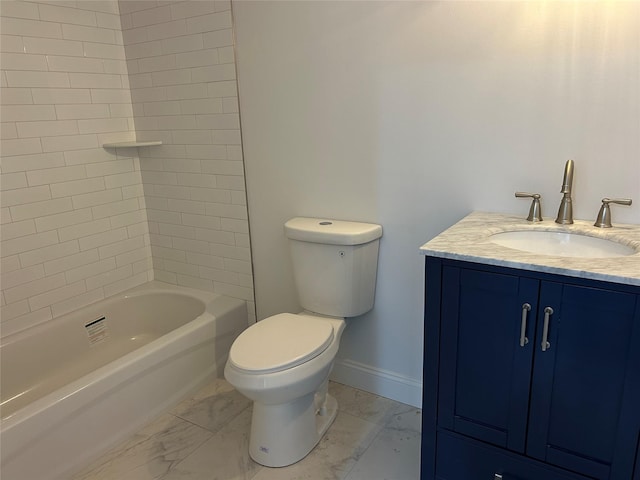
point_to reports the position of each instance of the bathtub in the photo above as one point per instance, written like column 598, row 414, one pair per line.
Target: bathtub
column 74, row 386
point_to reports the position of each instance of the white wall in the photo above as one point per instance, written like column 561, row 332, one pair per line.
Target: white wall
column 183, row 88
column 74, row 228
column 414, row 114
column 74, row 215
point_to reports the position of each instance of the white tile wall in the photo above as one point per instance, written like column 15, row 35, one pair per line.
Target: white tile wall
column 64, row 241
column 183, row 90
column 74, row 215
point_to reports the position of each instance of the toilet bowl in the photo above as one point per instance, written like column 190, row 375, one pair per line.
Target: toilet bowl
column 287, row 383
column 283, row 362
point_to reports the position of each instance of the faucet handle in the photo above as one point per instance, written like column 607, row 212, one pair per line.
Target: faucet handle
column 604, row 215
column 535, row 212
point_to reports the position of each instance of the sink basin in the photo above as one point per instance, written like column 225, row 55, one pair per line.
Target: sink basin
column 561, row 244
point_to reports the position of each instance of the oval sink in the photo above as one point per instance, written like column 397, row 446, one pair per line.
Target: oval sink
column 561, row 244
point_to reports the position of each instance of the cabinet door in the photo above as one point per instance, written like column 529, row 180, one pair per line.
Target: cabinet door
column 485, row 372
column 584, row 401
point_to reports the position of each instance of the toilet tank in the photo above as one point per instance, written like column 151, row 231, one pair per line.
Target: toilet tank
column 335, row 263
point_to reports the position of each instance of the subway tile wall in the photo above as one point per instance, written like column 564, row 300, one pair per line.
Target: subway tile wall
column 80, row 222
column 74, row 228
column 181, row 67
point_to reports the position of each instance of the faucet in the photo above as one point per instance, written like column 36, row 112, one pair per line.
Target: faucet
column 565, row 212
column 535, row 212
column 604, row 215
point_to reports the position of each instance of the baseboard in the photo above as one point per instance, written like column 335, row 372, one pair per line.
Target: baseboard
column 380, row 382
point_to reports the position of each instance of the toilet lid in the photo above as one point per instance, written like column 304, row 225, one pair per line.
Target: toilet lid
column 280, row 342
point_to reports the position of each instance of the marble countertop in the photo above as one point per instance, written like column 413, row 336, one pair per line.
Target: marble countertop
column 469, row 240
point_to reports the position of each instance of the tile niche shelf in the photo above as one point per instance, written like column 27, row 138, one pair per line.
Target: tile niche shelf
column 130, row 144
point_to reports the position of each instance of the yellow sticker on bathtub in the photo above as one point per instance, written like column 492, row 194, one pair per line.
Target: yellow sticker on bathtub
column 97, row 330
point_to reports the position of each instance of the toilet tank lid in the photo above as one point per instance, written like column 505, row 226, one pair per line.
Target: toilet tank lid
column 331, row 232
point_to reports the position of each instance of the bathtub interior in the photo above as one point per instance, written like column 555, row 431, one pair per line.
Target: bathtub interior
column 58, row 434
column 40, row 360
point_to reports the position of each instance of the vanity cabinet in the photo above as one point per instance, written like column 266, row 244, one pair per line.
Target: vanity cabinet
column 529, row 376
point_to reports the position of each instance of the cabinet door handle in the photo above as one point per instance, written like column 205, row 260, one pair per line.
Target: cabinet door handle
column 548, row 311
column 523, row 325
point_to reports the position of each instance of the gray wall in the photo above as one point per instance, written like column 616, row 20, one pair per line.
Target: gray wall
column 414, row 114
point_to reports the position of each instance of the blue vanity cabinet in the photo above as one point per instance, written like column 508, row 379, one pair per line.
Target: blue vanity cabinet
column 497, row 402
column 486, row 396
column 583, row 414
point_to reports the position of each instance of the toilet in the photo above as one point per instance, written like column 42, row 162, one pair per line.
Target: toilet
column 283, row 362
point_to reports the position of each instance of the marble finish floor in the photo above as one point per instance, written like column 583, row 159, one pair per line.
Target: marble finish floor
column 206, row 437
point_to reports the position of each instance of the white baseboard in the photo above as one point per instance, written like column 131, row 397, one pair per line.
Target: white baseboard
column 380, row 382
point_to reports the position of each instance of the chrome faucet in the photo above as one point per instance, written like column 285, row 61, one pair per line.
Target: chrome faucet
column 535, row 211
column 604, row 215
column 565, row 212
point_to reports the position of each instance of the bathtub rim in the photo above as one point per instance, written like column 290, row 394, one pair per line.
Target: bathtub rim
column 102, row 379
column 154, row 286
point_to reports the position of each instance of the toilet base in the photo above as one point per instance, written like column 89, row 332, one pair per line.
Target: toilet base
column 284, row 434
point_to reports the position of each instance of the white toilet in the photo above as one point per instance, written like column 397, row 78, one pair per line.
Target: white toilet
column 283, row 362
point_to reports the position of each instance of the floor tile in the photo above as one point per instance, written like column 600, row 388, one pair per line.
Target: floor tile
column 206, row 437
column 150, row 453
column 335, row 455
column 213, row 406
column 405, row 417
column 394, row 455
column 362, row 404
column 395, row 452
column 225, row 456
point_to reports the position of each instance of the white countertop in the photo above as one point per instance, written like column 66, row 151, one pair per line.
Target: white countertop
column 469, row 240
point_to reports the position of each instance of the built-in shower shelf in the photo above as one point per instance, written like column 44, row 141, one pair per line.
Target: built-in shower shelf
column 130, row 144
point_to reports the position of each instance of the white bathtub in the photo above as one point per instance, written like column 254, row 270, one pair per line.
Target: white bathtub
column 76, row 385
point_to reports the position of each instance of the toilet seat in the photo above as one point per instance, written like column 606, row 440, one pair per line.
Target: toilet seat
column 280, row 342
